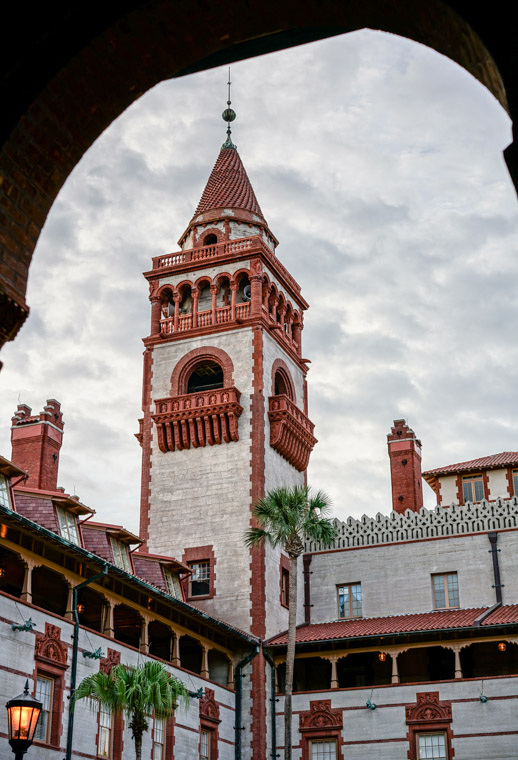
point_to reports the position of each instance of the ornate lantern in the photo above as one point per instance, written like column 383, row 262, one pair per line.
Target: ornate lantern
column 23, row 713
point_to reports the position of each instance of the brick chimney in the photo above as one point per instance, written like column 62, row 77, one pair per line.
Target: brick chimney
column 405, row 468
column 36, row 441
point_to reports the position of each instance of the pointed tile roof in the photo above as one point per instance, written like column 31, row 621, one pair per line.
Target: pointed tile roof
column 228, row 186
column 505, row 459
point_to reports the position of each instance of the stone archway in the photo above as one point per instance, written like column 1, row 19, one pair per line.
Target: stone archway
column 69, row 74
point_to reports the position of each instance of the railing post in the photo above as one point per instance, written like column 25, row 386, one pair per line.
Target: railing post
column 233, row 288
column 214, row 291
column 176, row 299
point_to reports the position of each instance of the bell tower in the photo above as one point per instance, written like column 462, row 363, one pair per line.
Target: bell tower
column 224, row 399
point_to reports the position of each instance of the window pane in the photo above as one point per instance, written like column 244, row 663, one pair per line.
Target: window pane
column 173, row 584
column 515, row 483
column 479, row 490
column 44, row 694
column 4, row 492
column 453, row 590
column 205, row 745
column 105, row 730
column 356, row 600
column 439, row 591
column 121, row 555
column 200, row 578
column 323, row 750
column 343, row 603
column 467, row 492
column 432, row 747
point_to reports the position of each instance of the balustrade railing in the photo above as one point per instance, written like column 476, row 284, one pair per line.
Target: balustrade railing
column 223, row 315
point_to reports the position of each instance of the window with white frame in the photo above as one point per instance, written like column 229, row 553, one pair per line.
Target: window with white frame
column 173, row 583
column 158, row 738
column 4, row 492
column 44, row 692
column 323, row 749
column 104, row 737
column 205, row 742
column 473, row 488
column 199, row 581
column 445, row 590
column 121, row 555
column 68, row 525
column 432, row 747
column 349, row 600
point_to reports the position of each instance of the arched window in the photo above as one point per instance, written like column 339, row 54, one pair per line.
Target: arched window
column 210, row 239
column 206, row 376
column 282, row 385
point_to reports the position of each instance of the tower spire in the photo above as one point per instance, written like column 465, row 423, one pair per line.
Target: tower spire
column 228, row 115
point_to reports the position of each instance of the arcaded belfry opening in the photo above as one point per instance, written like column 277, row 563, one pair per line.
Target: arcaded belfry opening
column 12, row 572
column 206, row 376
column 92, row 609
column 50, row 590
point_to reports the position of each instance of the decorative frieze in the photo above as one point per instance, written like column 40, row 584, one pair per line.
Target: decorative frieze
column 291, row 432
column 198, row 419
column 454, row 520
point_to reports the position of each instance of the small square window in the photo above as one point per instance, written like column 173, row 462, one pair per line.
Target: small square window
column 432, row 747
column 473, row 488
column 350, row 600
column 68, row 525
column 445, row 590
column 121, row 556
column 323, row 749
column 45, row 693
column 4, row 492
column 172, row 583
column 199, row 581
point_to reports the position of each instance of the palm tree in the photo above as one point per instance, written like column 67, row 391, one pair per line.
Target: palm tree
column 287, row 517
column 138, row 691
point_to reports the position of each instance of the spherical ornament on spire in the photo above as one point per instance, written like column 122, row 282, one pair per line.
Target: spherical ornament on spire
column 228, row 115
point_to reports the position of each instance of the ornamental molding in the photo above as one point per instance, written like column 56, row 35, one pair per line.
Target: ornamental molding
column 198, row 419
column 320, row 716
column 455, row 520
column 428, row 709
column 209, row 708
column 291, row 432
column 113, row 657
column 49, row 648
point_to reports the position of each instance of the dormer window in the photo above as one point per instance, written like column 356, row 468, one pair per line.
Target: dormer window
column 4, row 493
column 68, row 525
column 121, row 556
column 473, row 488
column 173, row 583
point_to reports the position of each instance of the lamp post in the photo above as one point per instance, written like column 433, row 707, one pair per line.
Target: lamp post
column 22, row 713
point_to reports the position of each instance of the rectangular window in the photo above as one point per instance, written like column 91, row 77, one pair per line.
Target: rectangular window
column 205, row 745
column 68, row 525
column 104, row 737
column 473, row 488
column 199, row 581
column 350, row 600
column 445, row 590
column 173, row 583
column 158, row 738
column 431, row 747
column 285, row 587
column 515, row 482
column 4, row 492
column 121, row 555
column 323, row 749
column 44, row 692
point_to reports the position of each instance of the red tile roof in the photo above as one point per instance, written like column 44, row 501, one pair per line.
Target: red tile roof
column 228, row 186
column 505, row 459
column 382, row 626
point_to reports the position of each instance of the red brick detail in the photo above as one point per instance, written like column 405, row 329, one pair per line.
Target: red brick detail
column 291, row 432
column 200, row 554
column 36, row 442
column 183, row 369
column 405, row 468
column 146, row 430
column 284, row 567
column 118, row 736
column 428, row 714
column 113, row 657
column 39, row 510
column 485, row 481
column 460, row 490
column 509, row 476
column 49, row 648
column 209, row 720
column 169, row 738
column 320, row 722
column 50, row 655
column 281, row 367
column 198, row 419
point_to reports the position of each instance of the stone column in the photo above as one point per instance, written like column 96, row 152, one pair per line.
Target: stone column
column 233, row 289
column 144, row 636
column 334, row 673
column 156, row 313
column 26, row 595
column 204, row 673
column 109, row 625
column 195, row 293
column 256, row 287
column 69, row 613
column 230, row 677
column 214, row 291
column 458, row 668
column 175, row 659
column 395, row 671
column 176, row 299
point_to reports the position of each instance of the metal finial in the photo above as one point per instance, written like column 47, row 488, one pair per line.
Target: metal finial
column 228, row 115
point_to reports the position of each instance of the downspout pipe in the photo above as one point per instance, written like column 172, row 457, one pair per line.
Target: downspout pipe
column 75, row 649
column 306, row 559
column 497, row 585
column 273, row 701
column 238, row 728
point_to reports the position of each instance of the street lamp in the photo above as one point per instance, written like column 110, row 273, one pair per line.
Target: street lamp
column 23, row 713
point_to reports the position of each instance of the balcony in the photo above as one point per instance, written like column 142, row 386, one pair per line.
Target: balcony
column 291, row 432
column 198, row 419
column 219, row 316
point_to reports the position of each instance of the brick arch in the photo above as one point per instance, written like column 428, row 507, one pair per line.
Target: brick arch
column 70, row 73
column 183, row 369
column 280, row 366
column 222, row 276
column 240, row 274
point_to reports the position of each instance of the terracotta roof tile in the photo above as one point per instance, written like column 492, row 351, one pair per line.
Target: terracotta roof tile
column 506, row 458
column 228, row 185
column 381, row 626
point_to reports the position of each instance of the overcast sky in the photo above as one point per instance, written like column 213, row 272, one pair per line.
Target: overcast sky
column 378, row 165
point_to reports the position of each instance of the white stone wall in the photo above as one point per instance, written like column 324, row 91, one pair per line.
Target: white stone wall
column 448, row 490
column 498, row 484
column 396, row 579
column 382, row 733
column 17, row 654
column 201, row 496
column 242, row 230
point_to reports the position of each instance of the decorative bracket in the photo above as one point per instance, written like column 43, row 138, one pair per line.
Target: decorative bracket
column 27, row 625
column 97, row 655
